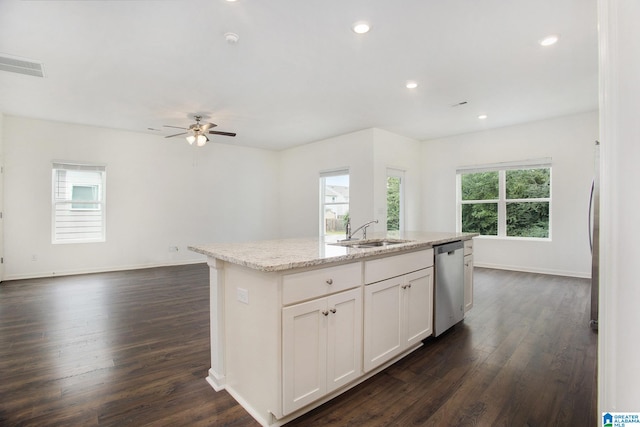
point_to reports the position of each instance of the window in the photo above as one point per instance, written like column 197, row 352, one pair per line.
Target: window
column 506, row 200
column 85, row 193
column 395, row 200
column 78, row 203
column 334, row 202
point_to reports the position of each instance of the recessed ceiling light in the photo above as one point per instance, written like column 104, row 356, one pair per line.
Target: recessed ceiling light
column 482, row 116
column 411, row 85
column 361, row 27
column 549, row 40
column 231, row 38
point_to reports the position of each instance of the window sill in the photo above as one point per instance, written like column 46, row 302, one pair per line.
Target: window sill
column 512, row 239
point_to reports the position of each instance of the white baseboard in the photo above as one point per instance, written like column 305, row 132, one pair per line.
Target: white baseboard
column 216, row 381
column 578, row 274
column 101, row 270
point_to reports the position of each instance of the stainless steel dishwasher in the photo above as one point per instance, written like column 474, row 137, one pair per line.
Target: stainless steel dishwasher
column 449, row 287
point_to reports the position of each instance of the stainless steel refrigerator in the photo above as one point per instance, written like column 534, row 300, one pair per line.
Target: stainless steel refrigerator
column 594, row 237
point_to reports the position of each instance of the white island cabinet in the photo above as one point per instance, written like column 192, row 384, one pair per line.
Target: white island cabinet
column 398, row 311
column 321, row 338
column 468, row 275
column 297, row 322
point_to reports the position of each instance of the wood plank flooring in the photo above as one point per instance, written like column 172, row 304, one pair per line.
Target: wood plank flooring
column 132, row 349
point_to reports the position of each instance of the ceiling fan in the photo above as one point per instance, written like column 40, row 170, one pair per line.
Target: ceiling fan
column 197, row 132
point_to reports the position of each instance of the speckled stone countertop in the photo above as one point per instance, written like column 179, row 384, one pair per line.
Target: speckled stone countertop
column 287, row 254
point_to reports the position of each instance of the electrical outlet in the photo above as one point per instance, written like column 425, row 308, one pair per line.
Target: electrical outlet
column 34, row 257
column 243, row 295
column 173, row 249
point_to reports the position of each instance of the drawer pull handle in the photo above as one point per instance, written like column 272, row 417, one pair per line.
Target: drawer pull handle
column 325, row 312
column 329, row 281
column 333, row 310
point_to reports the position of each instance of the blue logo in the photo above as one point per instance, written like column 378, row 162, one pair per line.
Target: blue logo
column 607, row 420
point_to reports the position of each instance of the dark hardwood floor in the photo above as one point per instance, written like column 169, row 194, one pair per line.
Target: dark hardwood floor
column 132, row 349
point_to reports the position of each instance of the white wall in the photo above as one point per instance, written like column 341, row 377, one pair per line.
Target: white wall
column 160, row 193
column 398, row 152
column 300, row 168
column 163, row 193
column 569, row 141
column 1, row 198
column 366, row 154
column 619, row 335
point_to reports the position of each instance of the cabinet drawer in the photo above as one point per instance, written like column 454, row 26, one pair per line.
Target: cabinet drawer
column 396, row 265
column 468, row 247
column 323, row 281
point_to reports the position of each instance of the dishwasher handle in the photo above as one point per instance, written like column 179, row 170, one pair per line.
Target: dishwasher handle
column 448, row 248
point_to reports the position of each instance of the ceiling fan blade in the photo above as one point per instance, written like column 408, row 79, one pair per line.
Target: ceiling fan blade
column 216, row 132
column 177, row 127
column 207, row 126
column 177, row 134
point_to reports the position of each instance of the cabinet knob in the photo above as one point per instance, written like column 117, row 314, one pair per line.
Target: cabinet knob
column 325, row 312
column 333, row 310
column 329, row 281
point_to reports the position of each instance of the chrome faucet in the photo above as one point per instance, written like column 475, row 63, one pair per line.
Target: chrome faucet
column 362, row 227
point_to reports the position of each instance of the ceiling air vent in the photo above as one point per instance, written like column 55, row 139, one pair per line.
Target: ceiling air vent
column 21, row 66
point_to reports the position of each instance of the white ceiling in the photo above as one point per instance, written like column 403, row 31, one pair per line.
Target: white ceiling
column 298, row 72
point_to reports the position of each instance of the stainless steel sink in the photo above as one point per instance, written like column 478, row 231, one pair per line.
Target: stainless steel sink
column 371, row 243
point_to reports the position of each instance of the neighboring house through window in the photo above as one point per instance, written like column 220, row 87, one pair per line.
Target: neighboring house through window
column 78, row 203
column 334, row 202
column 506, row 199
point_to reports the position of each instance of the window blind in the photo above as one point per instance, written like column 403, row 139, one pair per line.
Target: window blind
column 544, row 162
column 78, row 202
column 334, row 172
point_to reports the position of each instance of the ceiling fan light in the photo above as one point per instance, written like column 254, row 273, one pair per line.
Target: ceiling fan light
column 201, row 140
column 191, row 139
column 361, row 27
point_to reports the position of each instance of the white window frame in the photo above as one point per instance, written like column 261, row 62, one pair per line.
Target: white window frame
column 501, row 168
column 65, row 198
column 397, row 173
column 323, row 204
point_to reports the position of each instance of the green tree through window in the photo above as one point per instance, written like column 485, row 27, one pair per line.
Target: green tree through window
column 393, row 203
column 481, row 214
column 512, row 202
column 525, row 218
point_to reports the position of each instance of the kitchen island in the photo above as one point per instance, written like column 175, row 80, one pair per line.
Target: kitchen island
column 296, row 322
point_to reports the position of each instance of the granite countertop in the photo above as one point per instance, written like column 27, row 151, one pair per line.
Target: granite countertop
column 287, row 254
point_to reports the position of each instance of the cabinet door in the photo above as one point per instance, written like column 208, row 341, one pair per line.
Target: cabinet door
column 468, row 282
column 304, row 358
column 382, row 322
column 418, row 298
column 344, row 347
